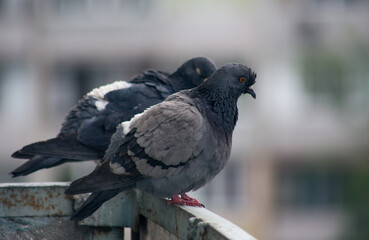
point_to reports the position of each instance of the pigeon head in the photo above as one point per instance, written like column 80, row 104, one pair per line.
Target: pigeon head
column 234, row 78
column 192, row 73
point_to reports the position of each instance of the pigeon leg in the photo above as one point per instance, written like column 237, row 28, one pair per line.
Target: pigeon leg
column 184, row 199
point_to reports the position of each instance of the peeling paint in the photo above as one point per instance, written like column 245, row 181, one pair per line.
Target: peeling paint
column 8, row 203
column 24, row 200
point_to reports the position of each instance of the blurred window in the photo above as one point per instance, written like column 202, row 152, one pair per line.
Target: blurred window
column 71, row 81
column 336, row 77
column 337, row 2
column 2, row 7
column 16, row 10
column 111, row 9
column 306, row 185
column 14, row 89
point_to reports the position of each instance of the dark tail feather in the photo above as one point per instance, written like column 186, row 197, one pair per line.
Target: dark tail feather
column 103, row 184
column 37, row 163
column 102, row 179
column 93, row 202
column 61, row 147
column 19, row 154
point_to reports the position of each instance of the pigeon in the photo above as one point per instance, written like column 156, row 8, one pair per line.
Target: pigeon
column 85, row 134
column 173, row 147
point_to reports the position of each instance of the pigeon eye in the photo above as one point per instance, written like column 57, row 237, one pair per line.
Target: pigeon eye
column 242, row 79
column 198, row 71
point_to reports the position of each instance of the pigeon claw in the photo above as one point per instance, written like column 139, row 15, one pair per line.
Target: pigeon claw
column 184, row 199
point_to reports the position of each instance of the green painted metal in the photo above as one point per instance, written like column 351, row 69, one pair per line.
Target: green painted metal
column 34, row 199
column 14, row 228
column 119, row 211
column 189, row 222
column 35, row 211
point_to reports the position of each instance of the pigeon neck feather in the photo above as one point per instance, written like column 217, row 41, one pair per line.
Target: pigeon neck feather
column 222, row 104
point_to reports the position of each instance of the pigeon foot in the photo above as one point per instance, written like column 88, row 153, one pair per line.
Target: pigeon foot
column 184, row 199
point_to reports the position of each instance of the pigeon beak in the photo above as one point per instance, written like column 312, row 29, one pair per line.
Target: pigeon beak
column 251, row 91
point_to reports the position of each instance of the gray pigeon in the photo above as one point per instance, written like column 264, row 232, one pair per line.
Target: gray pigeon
column 87, row 129
column 173, row 147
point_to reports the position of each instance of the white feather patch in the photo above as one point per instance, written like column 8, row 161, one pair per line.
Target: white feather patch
column 116, row 168
column 99, row 93
column 127, row 124
column 126, row 127
column 100, row 104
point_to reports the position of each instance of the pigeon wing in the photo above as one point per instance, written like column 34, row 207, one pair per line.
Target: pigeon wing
column 161, row 141
column 121, row 105
column 83, row 110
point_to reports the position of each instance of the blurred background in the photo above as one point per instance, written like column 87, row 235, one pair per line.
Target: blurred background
column 300, row 162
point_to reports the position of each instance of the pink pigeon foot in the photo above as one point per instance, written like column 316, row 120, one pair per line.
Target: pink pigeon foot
column 184, row 199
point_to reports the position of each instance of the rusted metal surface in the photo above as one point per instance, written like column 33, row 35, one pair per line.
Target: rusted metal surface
column 34, row 200
column 42, row 211
column 52, row 228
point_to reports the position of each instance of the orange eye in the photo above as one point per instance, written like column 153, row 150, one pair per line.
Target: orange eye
column 242, row 79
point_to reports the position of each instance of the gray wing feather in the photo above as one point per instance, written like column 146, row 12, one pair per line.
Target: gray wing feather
column 171, row 131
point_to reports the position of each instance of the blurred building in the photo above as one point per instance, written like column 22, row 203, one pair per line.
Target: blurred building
column 300, row 151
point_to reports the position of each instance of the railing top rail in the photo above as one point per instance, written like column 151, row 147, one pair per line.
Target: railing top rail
column 48, row 200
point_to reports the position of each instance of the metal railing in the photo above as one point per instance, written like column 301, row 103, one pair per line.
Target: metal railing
column 42, row 211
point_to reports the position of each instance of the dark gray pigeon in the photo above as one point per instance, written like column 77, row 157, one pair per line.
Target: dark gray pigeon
column 87, row 129
column 173, row 147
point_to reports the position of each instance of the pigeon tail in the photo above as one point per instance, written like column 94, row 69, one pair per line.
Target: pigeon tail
column 36, row 163
column 67, row 147
column 20, row 154
column 102, row 179
column 93, row 202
